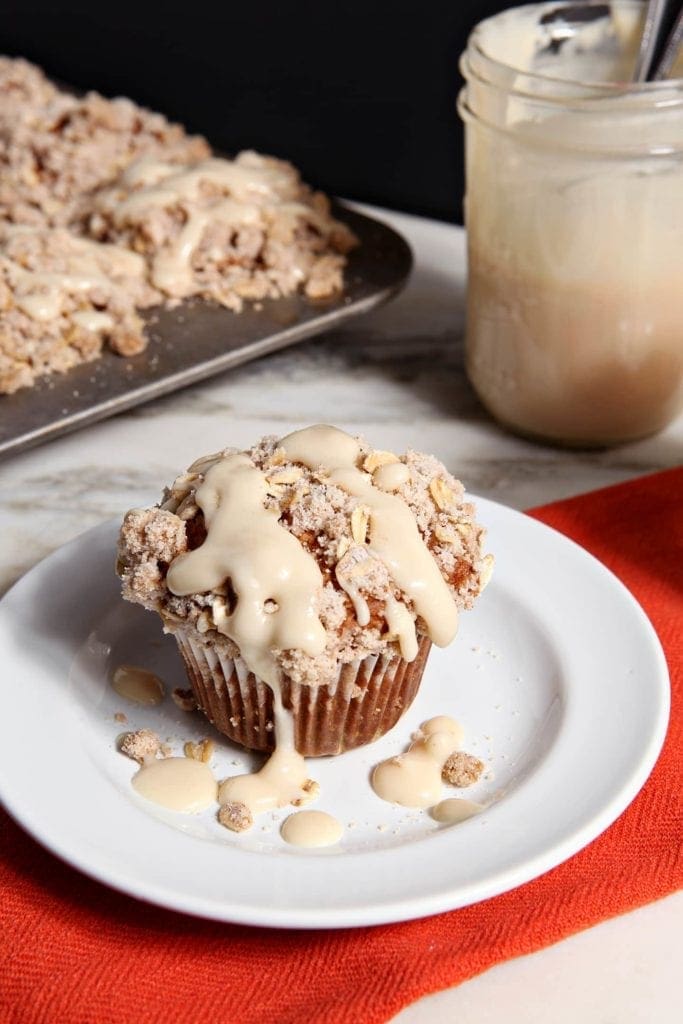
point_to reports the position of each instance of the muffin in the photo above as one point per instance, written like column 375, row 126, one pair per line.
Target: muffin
column 305, row 580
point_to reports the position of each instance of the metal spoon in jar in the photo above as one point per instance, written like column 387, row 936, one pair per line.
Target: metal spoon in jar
column 660, row 41
column 659, row 45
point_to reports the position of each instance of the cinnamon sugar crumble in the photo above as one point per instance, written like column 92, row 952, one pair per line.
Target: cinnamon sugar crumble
column 50, row 321
column 462, row 770
column 322, row 516
column 142, row 745
column 57, row 148
column 236, row 816
column 310, row 791
column 250, row 239
column 68, row 166
column 202, row 751
column 184, row 699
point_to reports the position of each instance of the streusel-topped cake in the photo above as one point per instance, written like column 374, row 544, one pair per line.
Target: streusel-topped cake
column 56, row 148
column 108, row 170
column 23, row 87
column 227, row 230
column 62, row 298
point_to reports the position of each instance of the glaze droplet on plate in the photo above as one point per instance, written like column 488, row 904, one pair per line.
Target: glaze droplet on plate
column 311, row 829
column 138, row 685
column 413, row 779
column 277, row 783
column 455, row 810
column 177, row 783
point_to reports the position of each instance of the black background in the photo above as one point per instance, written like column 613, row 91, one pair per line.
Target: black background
column 361, row 96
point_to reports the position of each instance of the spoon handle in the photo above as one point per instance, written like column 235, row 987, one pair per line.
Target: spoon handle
column 662, row 17
column 648, row 41
column 670, row 52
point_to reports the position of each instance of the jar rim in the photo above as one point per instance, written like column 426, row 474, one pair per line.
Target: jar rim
column 663, row 151
column 578, row 102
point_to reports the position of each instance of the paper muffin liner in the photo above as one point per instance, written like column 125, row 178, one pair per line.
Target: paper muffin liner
column 365, row 700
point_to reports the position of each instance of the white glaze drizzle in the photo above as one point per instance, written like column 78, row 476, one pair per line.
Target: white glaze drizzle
column 282, row 777
column 394, row 537
column 401, row 625
column 253, row 192
column 413, row 779
column 87, row 265
column 162, row 184
column 346, row 572
column 172, row 266
column 264, row 562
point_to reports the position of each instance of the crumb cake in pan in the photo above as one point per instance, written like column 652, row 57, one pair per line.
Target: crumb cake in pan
column 305, row 580
column 116, row 174
column 227, row 230
column 62, row 298
column 57, row 148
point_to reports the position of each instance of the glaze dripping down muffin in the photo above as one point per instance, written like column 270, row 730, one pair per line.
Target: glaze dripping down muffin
column 312, row 570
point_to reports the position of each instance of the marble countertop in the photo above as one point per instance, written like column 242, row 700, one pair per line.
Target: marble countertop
column 396, row 375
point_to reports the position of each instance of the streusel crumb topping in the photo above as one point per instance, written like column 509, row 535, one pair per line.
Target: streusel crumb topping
column 89, row 170
column 227, row 230
column 63, row 299
column 235, row 816
column 142, row 745
column 461, row 769
column 329, row 523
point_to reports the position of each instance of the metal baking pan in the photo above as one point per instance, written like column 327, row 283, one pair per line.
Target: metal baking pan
column 198, row 339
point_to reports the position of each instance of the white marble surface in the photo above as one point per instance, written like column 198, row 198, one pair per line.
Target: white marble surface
column 397, row 376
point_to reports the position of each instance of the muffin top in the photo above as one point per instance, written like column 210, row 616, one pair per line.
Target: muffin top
column 307, row 552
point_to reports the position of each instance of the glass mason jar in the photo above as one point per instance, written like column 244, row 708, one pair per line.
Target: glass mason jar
column 574, row 215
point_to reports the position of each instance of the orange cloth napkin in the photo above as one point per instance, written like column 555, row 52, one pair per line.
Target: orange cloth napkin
column 74, row 952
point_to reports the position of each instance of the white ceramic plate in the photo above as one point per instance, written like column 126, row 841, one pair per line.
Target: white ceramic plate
column 557, row 676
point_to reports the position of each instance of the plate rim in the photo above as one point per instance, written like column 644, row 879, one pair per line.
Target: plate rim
column 382, row 912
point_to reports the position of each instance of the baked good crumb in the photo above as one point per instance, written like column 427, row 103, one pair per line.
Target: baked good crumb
column 23, row 87
column 184, row 699
column 202, row 751
column 462, row 770
column 236, row 816
column 141, row 745
column 63, row 299
column 120, row 717
column 310, row 791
